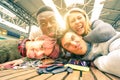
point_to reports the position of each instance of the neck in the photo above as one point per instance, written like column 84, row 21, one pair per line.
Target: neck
column 88, row 48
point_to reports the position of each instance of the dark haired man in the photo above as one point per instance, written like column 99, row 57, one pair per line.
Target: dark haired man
column 47, row 23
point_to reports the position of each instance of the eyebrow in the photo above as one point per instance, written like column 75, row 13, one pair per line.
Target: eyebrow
column 51, row 16
column 71, row 38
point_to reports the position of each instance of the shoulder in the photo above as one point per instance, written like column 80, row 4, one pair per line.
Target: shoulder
column 95, row 23
column 101, row 31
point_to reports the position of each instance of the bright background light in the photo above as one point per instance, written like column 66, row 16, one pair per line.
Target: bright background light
column 12, row 25
column 71, row 2
column 98, row 6
column 7, row 12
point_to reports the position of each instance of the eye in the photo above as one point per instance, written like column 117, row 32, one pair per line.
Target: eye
column 66, row 45
column 79, row 17
column 72, row 37
column 42, row 24
column 73, row 20
column 41, row 46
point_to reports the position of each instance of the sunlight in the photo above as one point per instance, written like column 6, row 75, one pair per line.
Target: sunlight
column 7, row 12
column 96, row 11
column 71, row 2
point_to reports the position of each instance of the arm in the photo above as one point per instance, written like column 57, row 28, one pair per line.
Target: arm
column 11, row 64
column 101, row 32
column 109, row 63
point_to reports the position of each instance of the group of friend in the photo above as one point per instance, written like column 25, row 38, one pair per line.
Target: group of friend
column 96, row 41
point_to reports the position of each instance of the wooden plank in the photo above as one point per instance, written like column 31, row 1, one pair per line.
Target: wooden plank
column 41, row 77
column 26, row 76
column 58, row 76
column 87, row 76
column 31, row 74
column 73, row 76
column 10, row 71
column 113, row 77
column 16, row 74
column 6, row 70
column 99, row 75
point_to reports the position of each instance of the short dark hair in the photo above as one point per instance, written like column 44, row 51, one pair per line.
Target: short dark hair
column 44, row 8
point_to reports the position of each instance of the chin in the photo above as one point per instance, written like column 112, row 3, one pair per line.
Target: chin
column 80, row 33
column 51, row 35
column 39, row 57
column 80, row 53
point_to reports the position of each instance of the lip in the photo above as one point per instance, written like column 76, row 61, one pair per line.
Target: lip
column 79, row 46
column 40, row 56
column 51, row 34
column 79, row 28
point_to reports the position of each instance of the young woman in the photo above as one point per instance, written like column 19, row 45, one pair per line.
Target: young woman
column 78, row 21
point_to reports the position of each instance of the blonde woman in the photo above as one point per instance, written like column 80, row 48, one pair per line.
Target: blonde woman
column 78, row 21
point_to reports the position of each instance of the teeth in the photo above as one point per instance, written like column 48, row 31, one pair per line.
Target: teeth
column 78, row 29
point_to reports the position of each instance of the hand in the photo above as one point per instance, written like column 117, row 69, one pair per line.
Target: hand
column 11, row 64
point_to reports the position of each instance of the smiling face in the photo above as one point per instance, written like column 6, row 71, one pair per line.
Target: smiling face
column 34, row 49
column 74, row 43
column 48, row 23
column 39, row 49
column 77, row 21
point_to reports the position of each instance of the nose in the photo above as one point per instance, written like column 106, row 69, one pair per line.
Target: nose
column 76, row 21
column 73, row 43
column 49, row 25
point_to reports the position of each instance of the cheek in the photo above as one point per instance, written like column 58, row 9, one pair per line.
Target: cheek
column 39, row 54
column 30, row 54
column 70, row 48
column 44, row 29
column 83, row 22
column 72, row 25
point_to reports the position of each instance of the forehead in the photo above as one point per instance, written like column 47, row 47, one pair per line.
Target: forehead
column 46, row 14
column 76, row 13
column 67, row 37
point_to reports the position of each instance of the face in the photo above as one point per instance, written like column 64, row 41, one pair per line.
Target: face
column 74, row 43
column 76, row 21
column 48, row 23
column 36, row 50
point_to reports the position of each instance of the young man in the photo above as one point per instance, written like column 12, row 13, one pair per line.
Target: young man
column 106, row 55
column 47, row 23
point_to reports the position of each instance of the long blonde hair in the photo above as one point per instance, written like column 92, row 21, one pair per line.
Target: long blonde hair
column 87, row 26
